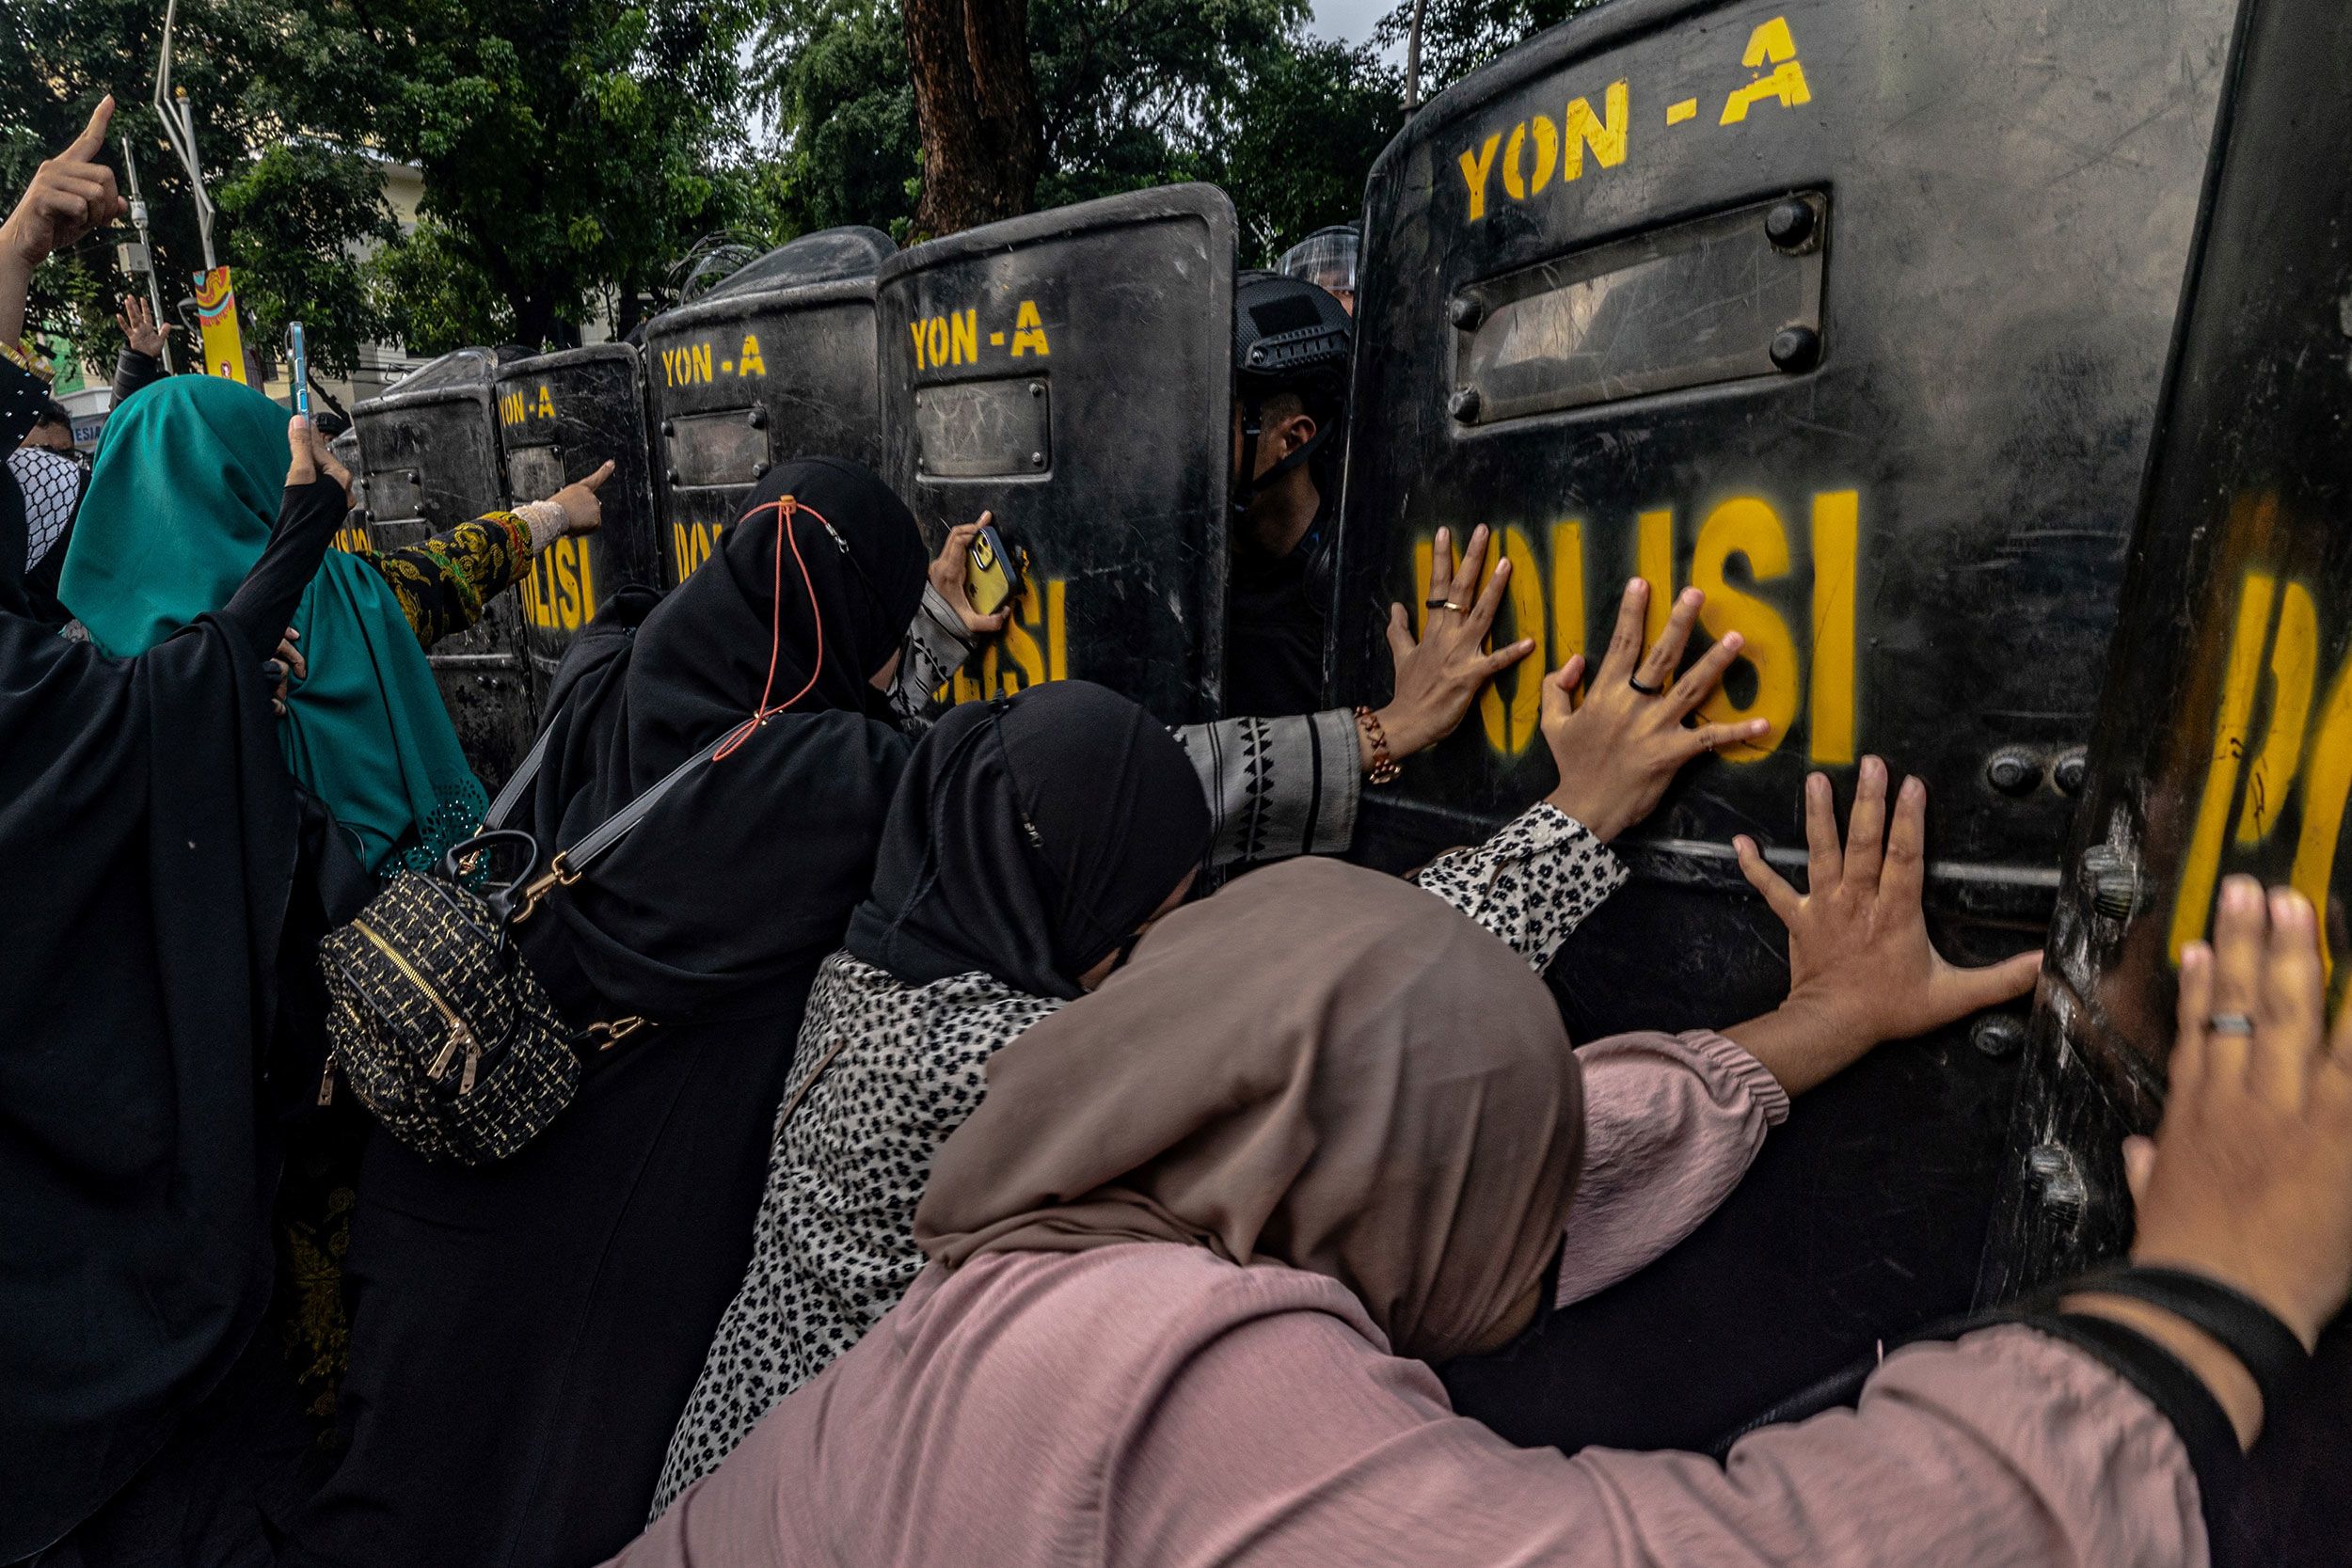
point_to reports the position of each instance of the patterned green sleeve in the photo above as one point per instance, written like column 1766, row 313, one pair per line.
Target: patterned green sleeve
column 443, row 582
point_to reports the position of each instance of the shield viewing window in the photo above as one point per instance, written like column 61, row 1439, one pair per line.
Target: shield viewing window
column 1718, row 298
column 535, row 473
column 984, row 429
column 728, row 448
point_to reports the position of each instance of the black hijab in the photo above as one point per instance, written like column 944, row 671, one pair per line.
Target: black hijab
column 148, row 847
column 719, row 904
column 1029, row 838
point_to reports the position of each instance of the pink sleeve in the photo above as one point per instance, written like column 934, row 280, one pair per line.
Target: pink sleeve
column 1671, row 1125
column 1291, row 1442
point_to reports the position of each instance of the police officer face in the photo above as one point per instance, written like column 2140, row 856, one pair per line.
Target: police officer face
column 1283, row 427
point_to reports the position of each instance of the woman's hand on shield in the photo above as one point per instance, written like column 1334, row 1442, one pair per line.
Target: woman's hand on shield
column 1620, row 747
column 1440, row 674
column 1860, row 966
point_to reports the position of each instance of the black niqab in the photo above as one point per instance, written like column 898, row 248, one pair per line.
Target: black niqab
column 149, row 843
column 724, row 898
column 1029, row 838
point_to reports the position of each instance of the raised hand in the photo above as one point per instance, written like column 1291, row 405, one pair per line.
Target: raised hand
column 583, row 511
column 1617, row 752
column 139, row 328
column 1438, row 675
column 308, row 457
column 1861, row 969
column 2249, row 1178
column 72, row 196
column 949, row 572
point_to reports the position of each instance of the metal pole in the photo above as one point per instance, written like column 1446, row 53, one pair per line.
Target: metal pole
column 147, row 243
column 172, row 107
column 1412, row 60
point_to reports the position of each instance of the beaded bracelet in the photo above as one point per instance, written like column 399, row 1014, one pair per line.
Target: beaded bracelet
column 1384, row 768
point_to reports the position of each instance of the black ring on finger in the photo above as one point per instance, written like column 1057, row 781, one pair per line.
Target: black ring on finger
column 1658, row 691
column 1441, row 604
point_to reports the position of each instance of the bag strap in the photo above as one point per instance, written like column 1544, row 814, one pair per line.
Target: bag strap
column 569, row 866
column 524, row 772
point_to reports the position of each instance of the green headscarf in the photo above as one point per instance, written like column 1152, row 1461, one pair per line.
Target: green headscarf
column 181, row 503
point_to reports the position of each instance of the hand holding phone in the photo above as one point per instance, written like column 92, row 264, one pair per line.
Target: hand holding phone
column 299, row 363
column 991, row 578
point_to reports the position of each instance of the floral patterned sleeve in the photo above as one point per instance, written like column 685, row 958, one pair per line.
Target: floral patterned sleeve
column 443, row 582
column 1531, row 885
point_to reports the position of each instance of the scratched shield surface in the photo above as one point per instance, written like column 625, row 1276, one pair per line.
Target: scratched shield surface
column 560, row 417
column 2224, row 743
column 1855, row 315
column 429, row 456
column 776, row 363
column 1071, row 372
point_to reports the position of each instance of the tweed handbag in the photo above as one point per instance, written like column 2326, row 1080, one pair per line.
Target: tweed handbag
column 433, row 1017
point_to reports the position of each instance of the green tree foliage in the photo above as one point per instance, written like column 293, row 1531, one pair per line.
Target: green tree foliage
column 1134, row 93
column 569, row 148
column 833, row 74
column 276, row 209
column 1459, row 36
column 270, row 80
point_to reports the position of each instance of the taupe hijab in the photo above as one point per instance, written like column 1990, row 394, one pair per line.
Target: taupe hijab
column 1320, row 1067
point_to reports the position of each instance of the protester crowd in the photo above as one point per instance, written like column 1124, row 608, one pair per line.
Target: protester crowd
column 999, row 1134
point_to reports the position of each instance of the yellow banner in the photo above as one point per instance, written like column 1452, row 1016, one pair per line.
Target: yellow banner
column 217, row 314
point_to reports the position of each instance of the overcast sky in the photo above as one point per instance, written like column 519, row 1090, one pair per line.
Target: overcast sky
column 1350, row 20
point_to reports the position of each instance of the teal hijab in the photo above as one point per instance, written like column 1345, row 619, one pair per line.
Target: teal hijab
column 182, row 498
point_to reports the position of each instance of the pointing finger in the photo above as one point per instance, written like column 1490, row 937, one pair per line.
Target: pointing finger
column 596, row 481
column 93, row 137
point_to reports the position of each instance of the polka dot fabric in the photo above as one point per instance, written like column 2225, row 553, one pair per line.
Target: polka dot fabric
column 892, row 1069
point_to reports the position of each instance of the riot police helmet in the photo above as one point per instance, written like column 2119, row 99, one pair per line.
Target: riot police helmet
column 1289, row 337
column 1326, row 258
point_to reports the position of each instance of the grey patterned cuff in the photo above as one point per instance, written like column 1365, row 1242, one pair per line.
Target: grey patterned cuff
column 545, row 519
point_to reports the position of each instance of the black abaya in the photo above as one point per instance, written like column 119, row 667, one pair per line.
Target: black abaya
column 149, row 842
column 527, row 1333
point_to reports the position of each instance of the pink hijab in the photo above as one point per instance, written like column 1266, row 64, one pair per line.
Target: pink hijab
column 1321, row 1067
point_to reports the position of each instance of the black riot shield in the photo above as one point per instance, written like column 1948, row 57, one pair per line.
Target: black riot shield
column 560, row 417
column 1071, row 370
column 1853, row 313
column 2224, row 741
column 353, row 535
column 430, row 455
column 776, row 363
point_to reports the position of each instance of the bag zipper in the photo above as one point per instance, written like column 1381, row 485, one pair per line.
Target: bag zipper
column 460, row 1034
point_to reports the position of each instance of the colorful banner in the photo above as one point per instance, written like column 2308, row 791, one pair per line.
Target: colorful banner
column 216, row 315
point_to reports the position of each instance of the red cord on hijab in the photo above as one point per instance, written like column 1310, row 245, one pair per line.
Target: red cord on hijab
column 786, row 509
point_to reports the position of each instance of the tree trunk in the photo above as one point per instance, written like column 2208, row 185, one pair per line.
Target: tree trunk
column 976, row 103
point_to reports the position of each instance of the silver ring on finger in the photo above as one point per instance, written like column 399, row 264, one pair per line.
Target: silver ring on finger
column 1658, row 691
column 2230, row 1024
